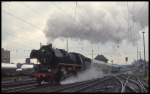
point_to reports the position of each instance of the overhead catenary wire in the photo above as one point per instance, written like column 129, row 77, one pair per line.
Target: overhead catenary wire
column 135, row 32
column 34, row 11
column 130, row 29
column 73, row 15
column 19, row 18
column 133, row 28
column 22, row 20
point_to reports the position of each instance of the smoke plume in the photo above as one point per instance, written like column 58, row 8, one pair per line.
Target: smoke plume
column 103, row 23
column 92, row 73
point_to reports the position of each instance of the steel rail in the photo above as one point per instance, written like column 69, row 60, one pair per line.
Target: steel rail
column 18, row 83
column 72, row 85
column 138, row 83
column 122, row 85
column 19, row 88
column 92, row 84
column 125, row 84
column 59, row 87
column 129, row 80
column 143, row 87
column 13, row 81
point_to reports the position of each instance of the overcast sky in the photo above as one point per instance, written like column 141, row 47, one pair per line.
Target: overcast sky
column 113, row 29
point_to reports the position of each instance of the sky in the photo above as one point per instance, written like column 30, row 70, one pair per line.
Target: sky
column 113, row 29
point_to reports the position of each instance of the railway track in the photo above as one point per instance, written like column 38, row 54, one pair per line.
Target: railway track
column 120, row 83
column 18, row 83
column 19, row 88
column 104, row 86
column 60, row 88
column 123, row 83
column 130, row 84
column 74, row 87
column 143, row 87
column 84, row 86
column 17, row 80
column 27, row 87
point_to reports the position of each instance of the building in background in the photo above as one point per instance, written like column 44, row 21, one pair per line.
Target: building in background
column 5, row 55
column 101, row 58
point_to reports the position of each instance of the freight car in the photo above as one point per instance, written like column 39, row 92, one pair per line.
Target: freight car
column 57, row 64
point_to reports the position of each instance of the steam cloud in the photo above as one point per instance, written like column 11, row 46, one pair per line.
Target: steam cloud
column 92, row 73
column 106, row 23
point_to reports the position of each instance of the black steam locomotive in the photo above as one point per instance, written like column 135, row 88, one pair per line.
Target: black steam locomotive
column 57, row 64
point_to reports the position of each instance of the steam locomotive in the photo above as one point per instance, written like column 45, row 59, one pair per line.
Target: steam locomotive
column 57, row 64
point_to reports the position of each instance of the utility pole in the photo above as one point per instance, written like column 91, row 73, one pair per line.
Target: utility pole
column 67, row 45
column 112, row 65
column 144, row 53
column 112, row 60
column 126, row 59
column 140, row 54
column 137, row 53
column 92, row 53
column 144, row 45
